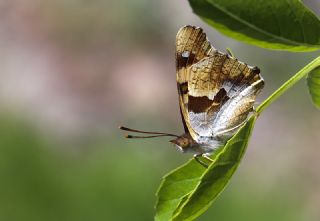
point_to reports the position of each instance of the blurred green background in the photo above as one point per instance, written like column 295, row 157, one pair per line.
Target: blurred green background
column 72, row 71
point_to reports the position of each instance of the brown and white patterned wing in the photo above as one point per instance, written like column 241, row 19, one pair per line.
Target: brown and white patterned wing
column 192, row 45
column 221, row 94
column 216, row 91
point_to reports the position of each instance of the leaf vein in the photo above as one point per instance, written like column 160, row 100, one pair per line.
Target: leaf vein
column 289, row 41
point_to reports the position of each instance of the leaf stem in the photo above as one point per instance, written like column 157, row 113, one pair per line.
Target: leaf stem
column 288, row 84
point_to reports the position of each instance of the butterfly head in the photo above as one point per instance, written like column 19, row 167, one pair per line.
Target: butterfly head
column 184, row 142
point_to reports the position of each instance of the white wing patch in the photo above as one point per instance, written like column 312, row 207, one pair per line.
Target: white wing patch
column 231, row 116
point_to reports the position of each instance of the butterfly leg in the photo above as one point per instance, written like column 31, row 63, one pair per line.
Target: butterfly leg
column 255, row 113
column 205, row 156
column 229, row 52
column 197, row 158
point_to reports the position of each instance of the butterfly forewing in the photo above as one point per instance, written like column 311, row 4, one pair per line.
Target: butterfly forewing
column 192, row 45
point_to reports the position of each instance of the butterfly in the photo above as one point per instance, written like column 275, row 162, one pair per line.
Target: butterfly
column 216, row 91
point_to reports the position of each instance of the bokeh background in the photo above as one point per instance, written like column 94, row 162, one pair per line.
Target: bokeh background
column 72, row 71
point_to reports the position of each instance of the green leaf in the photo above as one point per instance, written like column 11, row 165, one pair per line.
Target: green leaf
column 273, row 24
column 175, row 187
column 187, row 192
column 314, row 86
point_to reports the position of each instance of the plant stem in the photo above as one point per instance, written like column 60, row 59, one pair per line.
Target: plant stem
column 288, row 84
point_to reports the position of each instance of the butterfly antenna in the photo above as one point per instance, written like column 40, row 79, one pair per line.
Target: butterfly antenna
column 154, row 134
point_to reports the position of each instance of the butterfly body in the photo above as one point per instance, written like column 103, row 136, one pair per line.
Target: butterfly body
column 216, row 92
column 186, row 144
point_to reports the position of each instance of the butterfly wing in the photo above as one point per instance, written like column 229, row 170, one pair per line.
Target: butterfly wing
column 216, row 91
column 192, row 45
